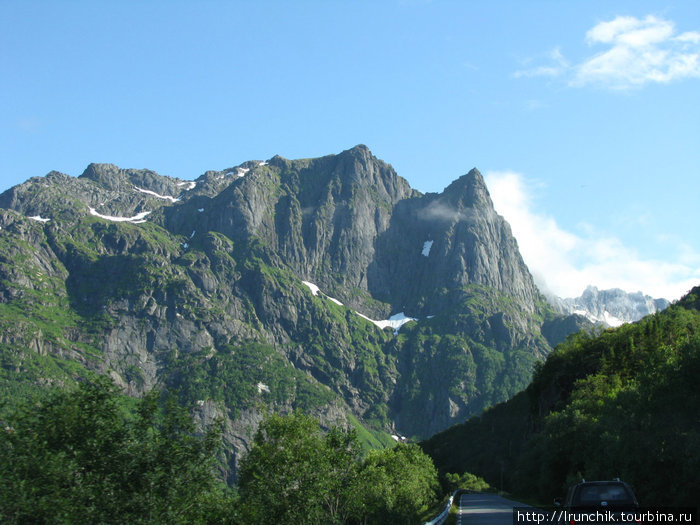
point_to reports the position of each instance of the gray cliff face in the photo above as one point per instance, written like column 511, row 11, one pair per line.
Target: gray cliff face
column 443, row 242
column 351, row 225
column 320, row 217
column 610, row 307
column 198, row 286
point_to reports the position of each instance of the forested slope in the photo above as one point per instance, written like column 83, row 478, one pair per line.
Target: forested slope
column 624, row 403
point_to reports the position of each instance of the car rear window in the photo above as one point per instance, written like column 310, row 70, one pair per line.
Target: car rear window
column 595, row 494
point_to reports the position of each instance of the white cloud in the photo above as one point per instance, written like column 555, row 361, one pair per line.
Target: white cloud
column 631, row 31
column 640, row 51
column 564, row 263
column 557, row 67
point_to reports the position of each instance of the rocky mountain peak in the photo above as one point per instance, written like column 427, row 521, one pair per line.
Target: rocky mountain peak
column 469, row 191
column 105, row 174
column 114, row 178
column 359, row 166
column 360, row 152
column 610, row 307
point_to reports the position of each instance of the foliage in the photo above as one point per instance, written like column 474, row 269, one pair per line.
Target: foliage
column 370, row 439
column 78, row 457
column 296, row 474
column 466, row 481
column 467, row 350
column 399, row 483
column 232, row 375
column 488, row 445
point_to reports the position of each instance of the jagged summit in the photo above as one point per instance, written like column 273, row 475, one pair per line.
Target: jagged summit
column 97, row 171
column 611, row 307
column 470, row 190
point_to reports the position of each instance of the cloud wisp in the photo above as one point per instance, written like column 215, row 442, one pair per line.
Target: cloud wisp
column 557, row 66
column 564, row 263
column 639, row 52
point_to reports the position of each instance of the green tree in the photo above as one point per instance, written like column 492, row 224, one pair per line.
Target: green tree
column 467, row 481
column 398, row 483
column 296, row 474
column 80, row 457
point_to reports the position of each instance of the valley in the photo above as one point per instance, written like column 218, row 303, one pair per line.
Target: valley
column 322, row 286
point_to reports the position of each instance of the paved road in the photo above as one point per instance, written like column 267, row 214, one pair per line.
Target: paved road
column 486, row 509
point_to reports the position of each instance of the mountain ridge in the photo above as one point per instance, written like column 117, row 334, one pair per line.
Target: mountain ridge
column 199, row 286
column 611, row 307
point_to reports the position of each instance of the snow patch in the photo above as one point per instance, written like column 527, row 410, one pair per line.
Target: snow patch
column 192, row 234
column 612, row 320
column 136, row 219
column 426, row 248
column 262, row 387
column 314, row 289
column 263, row 163
column 189, row 183
column 39, row 218
column 606, row 318
column 396, row 321
column 200, row 210
column 242, row 171
column 156, row 195
column 185, row 245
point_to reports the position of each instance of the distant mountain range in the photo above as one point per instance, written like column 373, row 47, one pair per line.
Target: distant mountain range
column 609, row 307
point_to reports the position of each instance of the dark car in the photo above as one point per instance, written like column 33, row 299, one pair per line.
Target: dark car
column 598, row 496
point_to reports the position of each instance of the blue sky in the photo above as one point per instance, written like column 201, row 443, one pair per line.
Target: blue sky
column 583, row 116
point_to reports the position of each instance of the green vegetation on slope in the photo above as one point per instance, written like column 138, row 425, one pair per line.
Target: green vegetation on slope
column 624, row 403
column 89, row 455
column 238, row 375
column 296, row 474
column 468, row 356
column 77, row 456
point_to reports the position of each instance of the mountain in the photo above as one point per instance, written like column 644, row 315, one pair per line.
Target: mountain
column 609, row 307
column 623, row 403
column 324, row 285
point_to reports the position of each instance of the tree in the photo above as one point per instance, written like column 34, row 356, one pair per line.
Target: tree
column 296, row 474
column 79, row 457
column 399, row 483
column 466, row 481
